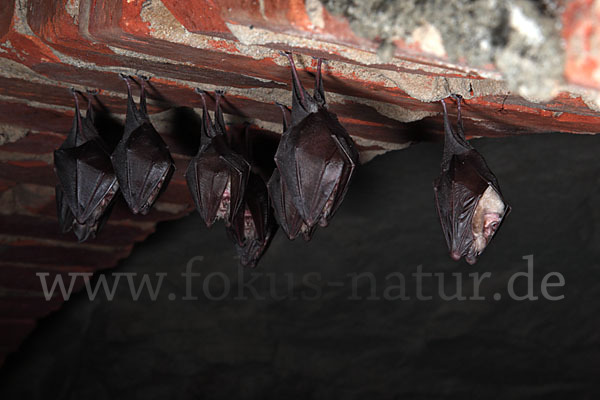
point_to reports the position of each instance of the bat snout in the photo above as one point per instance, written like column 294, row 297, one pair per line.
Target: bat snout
column 455, row 255
column 470, row 259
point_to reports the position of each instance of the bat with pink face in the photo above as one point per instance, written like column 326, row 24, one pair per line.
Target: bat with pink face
column 467, row 195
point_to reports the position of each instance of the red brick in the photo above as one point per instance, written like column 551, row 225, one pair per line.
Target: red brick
column 35, row 143
column 20, row 277
column 200, row 16
column 40, row 119
column 47, row 228
column 6, row 13
column 20, row 171
column 32, row 252
column 582, row 38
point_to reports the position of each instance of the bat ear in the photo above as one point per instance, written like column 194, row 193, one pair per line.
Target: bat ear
column 207, row 127
column 319, row 91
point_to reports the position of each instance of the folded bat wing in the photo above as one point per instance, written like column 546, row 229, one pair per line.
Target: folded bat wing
column 313, row 166
column 86, row 178
column 254, row 225
column 143, row 166
column 217, row 179
column 285, row 211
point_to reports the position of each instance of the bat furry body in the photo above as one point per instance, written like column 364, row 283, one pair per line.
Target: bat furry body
column 87, row 182
column 254, row 225
column 285, row 211
column 217, row 176
column 467, row 195
column 141, row 160
column 315, row 160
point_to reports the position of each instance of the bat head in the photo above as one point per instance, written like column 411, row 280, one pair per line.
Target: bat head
column 468, row 199
column 141, row 160
column 470, row 207
column 254, row 226
column 217, row 179
column 217, row 176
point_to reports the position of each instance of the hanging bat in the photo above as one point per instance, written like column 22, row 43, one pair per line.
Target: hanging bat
column 316, row 157
column 285, row 211
column 87, row 182
column 141, row 160
column 217, row 175
column 65, row 216
column 468, row 198
column 254, row 225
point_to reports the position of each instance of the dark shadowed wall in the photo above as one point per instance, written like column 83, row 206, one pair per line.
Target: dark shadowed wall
column 310, row 328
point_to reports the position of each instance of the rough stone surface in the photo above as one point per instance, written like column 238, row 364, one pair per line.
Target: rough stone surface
column 520, row 37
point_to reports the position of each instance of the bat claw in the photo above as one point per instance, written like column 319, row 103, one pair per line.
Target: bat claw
column 93, row 92
column 199, row 91
column 220, row 92
column 143, row 77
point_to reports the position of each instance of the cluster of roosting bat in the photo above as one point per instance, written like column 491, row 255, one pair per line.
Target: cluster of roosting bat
column 298, row 186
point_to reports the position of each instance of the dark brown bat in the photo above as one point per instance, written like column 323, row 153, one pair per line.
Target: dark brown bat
column 87, row 182
column 141, row 160
column 285, row 211
column 254, row 225
column 468, row 198
column 217, row 175
column 316, row 157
